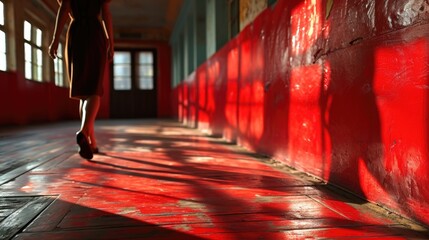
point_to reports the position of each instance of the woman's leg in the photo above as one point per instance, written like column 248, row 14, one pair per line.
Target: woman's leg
column 88, row 111
column 81, row 102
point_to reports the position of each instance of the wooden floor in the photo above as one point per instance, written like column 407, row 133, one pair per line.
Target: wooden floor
column 161, row 180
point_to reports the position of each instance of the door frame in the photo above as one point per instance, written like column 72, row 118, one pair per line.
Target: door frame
column 135, row 94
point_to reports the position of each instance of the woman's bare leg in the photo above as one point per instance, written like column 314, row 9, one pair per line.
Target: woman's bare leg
column 89, row 109
column 81, row 102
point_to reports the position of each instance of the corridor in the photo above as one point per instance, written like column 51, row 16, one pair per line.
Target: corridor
column 158, row 179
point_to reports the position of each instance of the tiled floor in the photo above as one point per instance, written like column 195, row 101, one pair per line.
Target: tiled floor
column 161, row 180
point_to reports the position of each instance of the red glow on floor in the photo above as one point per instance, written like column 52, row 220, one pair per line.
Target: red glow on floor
column 161, row 180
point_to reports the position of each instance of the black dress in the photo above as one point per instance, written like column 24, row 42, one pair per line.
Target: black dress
column 86, row 45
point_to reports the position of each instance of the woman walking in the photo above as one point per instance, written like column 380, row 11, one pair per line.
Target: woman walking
column 89, row 47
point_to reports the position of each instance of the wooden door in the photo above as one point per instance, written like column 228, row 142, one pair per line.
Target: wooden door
column 133, row 84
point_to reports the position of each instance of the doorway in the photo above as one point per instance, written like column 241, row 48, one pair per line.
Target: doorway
column 133, row 84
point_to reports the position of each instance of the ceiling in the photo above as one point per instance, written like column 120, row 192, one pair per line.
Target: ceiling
column 145, row 19
column 141, row 19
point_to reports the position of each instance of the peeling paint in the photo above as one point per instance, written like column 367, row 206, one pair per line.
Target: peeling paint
column 191, row 204
column 407, row 13
column 128, row 210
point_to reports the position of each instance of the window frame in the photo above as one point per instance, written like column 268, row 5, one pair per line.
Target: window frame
column 3, row 31
column 233, row 18
column 128, row 75
column 134, row 65
column 60, row 78
column 138, row 66
column 36, row 50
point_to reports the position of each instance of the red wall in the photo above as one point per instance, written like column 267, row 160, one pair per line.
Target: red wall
column 23, row 101
column 164, row 79
column 342, row 95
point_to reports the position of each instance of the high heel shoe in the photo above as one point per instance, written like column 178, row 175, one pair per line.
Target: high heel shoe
column 84, row 147
column 95, row 150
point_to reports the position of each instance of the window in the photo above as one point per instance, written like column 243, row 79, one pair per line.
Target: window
column 122, row 71
column 145, row 71
column 134, row 70
column 59, row 68
column 234, row 19
column 33, row 52
column 3, row 59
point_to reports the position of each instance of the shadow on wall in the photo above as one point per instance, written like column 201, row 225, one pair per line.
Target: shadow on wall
column 374, row 111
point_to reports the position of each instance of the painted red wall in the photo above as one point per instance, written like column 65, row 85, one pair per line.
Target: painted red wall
column 340, row 94
column 28, row 102
column 24, row 101
column 164, row 79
